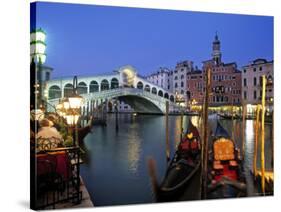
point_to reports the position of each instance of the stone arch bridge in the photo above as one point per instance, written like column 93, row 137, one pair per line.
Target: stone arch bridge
column 123, row 84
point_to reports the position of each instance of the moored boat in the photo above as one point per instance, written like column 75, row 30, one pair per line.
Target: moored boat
column 225, row 174
column 185, row 163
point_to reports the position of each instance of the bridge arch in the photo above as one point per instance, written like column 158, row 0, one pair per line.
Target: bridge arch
column 114, row 83
column 154, row 90
column 140, row 85
column 68, row 90
column 94, row 86
column 54, row 92
column 82, row 88
column 166, row 96
column 104, row 85
column 147, row 88
column 160, row 93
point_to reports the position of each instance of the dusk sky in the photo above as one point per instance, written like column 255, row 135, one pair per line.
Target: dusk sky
column 89, row 39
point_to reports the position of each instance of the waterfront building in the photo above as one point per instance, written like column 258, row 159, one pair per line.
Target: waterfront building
column 195, row 84
column 252, row 83
column 160, row 78
column 178, row 81
column 225, row 81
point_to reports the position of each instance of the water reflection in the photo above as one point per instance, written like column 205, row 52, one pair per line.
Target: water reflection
column 117, row 172
column 134, row 150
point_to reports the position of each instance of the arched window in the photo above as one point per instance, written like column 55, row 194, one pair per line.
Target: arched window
column 172, row 99
column 160, row 93
column 68, row 90
column 154, row 91
column 176, row 85
column 182, row 76
column 104, row 85
column 94, row 86
column 182, row 84
column 147, row 88
column 166, row 95
column 82, row 88
column 54, row 92
column 176, row 77
column 114, row 83
column 140, row 85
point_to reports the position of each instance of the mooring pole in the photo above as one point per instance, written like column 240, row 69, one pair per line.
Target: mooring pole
column 262, row 135
column 244, row 110
column 272, row 135
column 167, row 132
column 205, row 136
column 181, row 125
column 256, row 140
column 116, row 116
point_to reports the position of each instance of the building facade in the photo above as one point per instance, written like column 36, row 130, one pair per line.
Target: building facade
column 252, row 82
column 225, row 81
column 160, row 78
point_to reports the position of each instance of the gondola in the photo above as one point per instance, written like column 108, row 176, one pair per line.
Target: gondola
column 185, row 163
column 225, row 174
column 228, row 116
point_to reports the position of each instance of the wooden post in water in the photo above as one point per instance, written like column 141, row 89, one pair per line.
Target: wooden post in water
column 181, row 125
column 244, row 110
column 116, row 115
column 262, row 134
column 256, row 140
column 232, row 121
column 205, row 145
column 272, row 136
column 167, row 132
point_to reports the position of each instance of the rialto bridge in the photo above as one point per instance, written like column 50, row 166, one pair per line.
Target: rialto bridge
column 123, row 85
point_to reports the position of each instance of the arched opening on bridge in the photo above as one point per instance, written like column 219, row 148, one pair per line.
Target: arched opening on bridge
column 114, row 83
column 166, row 96
column 104, row 85
column 160, row 93
column 172, row 98
column 68, row 90
column 82, row 88
column 147, row 88
column 154, row 91
column 140, row 85
column 54, row 92
column 94, row 86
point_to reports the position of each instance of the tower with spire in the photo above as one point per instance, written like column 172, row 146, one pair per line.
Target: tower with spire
column 216, row 50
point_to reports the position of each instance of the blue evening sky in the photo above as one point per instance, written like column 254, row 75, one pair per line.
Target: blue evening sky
column 89, row 39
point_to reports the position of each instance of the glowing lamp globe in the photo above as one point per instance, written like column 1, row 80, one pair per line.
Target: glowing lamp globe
column 75, row 102
column 66, row 105
column 71, row 119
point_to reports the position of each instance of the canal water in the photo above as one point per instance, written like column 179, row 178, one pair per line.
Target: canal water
column 116, row 172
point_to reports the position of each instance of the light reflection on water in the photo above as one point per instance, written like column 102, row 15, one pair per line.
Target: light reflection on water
column 117, row 172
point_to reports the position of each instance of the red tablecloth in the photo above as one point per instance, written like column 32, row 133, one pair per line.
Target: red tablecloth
column 54, row 162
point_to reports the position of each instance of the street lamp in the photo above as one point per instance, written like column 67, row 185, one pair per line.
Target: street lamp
column 69, row 108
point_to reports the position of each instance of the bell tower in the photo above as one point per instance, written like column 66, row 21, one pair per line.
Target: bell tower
column 216, row 50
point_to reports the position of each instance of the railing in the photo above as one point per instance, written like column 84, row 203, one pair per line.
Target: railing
column 57, row 177
column 112, row 93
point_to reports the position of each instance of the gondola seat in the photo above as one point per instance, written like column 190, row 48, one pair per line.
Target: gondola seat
column 224, row 150
column 233, row 163
column 217, row 165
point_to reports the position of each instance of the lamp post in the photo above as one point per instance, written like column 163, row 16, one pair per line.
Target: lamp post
column 69, row 108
